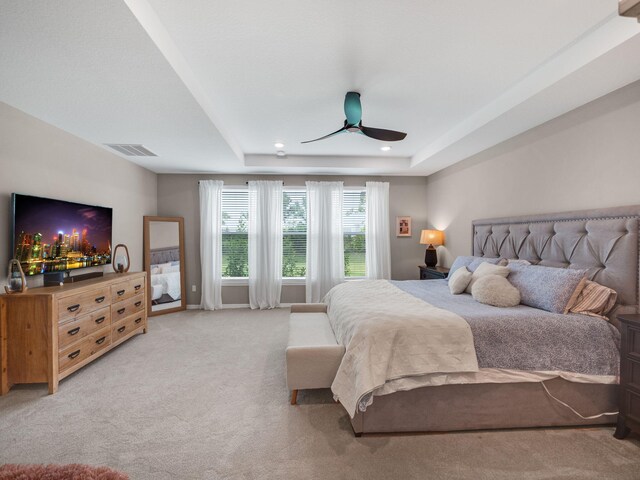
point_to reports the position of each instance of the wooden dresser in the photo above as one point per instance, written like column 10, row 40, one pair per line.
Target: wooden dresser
column 629, row 417
column 48, row 333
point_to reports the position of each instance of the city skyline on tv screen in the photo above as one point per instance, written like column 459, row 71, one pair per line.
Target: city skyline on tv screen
column 55, row 235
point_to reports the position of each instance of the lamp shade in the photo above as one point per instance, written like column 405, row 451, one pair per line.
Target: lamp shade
column 432, row 237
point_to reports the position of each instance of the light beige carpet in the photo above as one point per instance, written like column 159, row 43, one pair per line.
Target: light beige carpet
column 203, row 396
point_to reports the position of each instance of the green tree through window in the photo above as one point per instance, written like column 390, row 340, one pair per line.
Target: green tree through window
column 235, row 240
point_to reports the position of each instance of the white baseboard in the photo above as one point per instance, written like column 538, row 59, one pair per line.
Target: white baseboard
column 227, row 306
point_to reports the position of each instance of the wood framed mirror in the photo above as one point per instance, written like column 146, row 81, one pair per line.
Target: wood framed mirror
column 164, row 263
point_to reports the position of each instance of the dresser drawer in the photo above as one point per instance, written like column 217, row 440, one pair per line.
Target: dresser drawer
column 83, row 349
column 120, row 310
column 127, row 289
column 78, row 305
column 126, row 326
column 79, row 328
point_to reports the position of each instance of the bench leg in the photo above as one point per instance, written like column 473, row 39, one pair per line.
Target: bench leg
column 294, row 397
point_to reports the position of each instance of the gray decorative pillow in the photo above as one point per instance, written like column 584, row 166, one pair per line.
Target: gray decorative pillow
column 495, row 290
column 459, row 280
column 470, row 262
column 547, row 288
column 473, row 266
column 461, row 261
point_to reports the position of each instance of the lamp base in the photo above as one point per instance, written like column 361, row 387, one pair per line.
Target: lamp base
column 431, row 256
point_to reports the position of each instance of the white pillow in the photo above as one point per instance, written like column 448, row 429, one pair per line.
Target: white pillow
column 486, row 268
column 170, row 269
column 459, row 280
column 495, row 290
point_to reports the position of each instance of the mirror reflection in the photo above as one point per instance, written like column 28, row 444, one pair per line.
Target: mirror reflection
column 164, row 265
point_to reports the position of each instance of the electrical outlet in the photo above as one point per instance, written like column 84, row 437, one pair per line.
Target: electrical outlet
column 193, row 288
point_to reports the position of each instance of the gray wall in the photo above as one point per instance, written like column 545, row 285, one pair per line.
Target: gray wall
column 587, row 158
column 178, row 196
column 39, row 159
column 164, row 234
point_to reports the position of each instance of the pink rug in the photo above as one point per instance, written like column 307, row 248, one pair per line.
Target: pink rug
column 59, row 472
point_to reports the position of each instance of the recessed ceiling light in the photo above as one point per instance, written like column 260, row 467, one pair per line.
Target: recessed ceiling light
column 281, row 153
column 278, row 145
column 386, row 148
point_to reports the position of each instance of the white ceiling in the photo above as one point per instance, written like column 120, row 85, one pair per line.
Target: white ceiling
column 211, row 87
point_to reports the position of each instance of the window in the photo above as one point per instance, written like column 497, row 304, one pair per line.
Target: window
column 353, row 225
column 294, row 233
column 235, row 222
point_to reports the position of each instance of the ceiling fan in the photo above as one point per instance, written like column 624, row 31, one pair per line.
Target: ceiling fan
column 353, row 123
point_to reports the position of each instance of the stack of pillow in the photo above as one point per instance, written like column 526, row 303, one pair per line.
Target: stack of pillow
column 507, row 283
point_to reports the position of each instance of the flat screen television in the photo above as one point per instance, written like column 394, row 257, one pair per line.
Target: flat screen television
column 57, row 236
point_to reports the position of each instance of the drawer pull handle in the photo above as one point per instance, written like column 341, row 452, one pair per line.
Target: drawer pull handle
column 138, row 320
column 73, row 331
column 74, row 354
column 101, row 340
column 120, row 292
column 121, row 311
column 74, row 308
column 137, row 287
column 100, row 299
column 121, row 329
column 138, row 304
column 100, row 320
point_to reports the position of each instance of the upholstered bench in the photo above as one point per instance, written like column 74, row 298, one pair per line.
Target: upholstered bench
column 313, row 355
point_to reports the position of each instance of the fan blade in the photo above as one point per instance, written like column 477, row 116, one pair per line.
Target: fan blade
column 382, row 134
column 352, row 108
column 343, row 129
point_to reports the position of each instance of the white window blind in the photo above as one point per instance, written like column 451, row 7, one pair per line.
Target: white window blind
column 235, row 220
column 294, row 233
column 353, row 224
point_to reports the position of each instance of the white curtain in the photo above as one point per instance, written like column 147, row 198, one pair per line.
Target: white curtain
column 325, row 242
column 211, row 243
column 378, row 248
column 265, row 244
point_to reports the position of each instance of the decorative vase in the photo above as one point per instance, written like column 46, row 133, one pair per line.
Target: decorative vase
column 121, row 261
column 16, row 281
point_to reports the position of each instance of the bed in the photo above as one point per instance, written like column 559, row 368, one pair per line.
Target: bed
column 165, row 275
column 511, row 388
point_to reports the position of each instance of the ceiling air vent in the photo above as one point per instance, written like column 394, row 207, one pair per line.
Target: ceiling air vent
column 131, row 150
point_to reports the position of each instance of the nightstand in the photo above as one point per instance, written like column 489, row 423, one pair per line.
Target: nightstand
column 629, row 416
column 432, row 273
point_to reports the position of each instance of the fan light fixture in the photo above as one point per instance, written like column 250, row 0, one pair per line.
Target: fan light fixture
column 353, row 123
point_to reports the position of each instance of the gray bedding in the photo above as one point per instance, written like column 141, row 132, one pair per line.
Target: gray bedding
column 525, row 338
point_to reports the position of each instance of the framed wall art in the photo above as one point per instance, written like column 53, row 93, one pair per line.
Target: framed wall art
column 403, row 226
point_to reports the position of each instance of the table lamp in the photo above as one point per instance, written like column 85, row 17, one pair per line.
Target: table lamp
column 433, row 238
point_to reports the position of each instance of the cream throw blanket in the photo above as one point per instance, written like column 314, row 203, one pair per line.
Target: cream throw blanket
column 389, row 334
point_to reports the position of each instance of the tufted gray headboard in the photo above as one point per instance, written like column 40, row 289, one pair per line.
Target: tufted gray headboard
column 604, row 241
column 164, row 255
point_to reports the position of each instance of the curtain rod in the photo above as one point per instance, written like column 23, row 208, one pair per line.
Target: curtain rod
column 246, row 183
